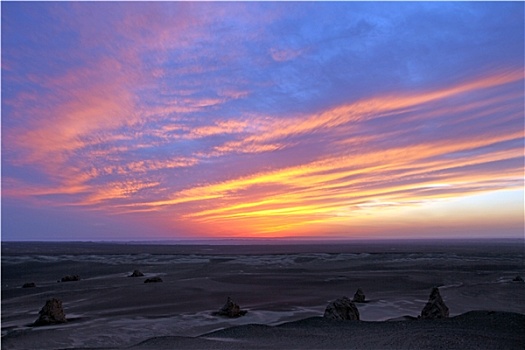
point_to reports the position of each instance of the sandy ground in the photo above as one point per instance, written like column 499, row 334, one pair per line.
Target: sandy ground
column 473, row 330
column 276, row 284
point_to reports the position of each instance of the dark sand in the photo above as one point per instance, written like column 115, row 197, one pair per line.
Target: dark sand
column 275, row 283
column 473, row 330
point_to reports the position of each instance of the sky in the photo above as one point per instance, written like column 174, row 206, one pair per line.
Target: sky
column 199, row 120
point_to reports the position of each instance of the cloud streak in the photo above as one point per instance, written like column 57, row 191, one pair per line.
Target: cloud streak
column 404, row 175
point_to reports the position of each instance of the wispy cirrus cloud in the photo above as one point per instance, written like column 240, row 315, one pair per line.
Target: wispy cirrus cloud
column 400, row 175
column 262, row 118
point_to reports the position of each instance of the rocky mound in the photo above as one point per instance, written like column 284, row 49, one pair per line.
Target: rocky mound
column 341, row 309
column 136, row 273
column 51, row 313
column 70, row 278
column 29, row 285
column 359, row 296
column 517, row 279
column 153, row 280
column 230, row 309
column 435, row 307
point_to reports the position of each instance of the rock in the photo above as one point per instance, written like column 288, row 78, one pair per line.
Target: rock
column 230, row 309
column 70, row 278
column 51, row 313
column 341, row 309
column 435, row 307
column 518, row 279
column 136, row 273
column 359, row 296
column 153, row 280
column 29, row 285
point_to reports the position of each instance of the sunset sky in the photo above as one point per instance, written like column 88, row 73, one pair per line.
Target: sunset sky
column 189, row 120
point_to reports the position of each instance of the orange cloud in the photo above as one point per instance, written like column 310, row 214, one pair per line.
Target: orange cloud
column 117, row 190
column 326, row 188
column 269, row 130
column 333, row 189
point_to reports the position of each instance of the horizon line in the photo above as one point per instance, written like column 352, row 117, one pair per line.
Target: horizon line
column 271, row 240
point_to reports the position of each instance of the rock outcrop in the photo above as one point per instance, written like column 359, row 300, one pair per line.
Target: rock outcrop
column 51, row 313
column 153, row 280
column 359, row 296
column 517, row 279
column 341, row 309
column 70, row 278
column 136, row 273
column 230, row 309
column 435, row 307
column 29, row 285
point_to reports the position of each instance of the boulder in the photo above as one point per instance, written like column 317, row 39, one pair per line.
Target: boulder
column 341, row 309
column 230, row 309
column 518, row 279
column 51, row 313
column 136, row 273
column 435, row 307
column 153, row 280
column 29, row 285
column 359, row 296
column 70, row 278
